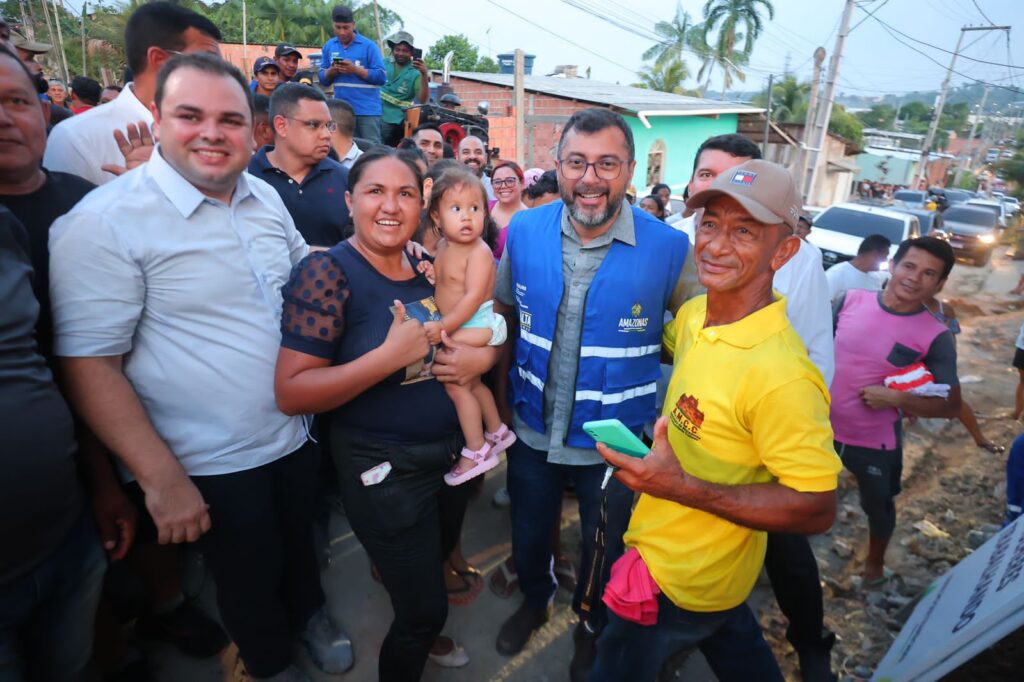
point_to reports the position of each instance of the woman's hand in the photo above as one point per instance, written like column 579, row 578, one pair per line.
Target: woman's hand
column 460, row 363
column 406, row 341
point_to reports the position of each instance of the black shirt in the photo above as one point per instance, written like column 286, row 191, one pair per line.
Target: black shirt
column 37, row 211
column 40, row 498
column 317, row 204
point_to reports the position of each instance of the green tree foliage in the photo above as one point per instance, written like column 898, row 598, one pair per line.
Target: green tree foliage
column 666, row 76
column 880, row 116
column 466, row 57
column 675, row 38
column 789, row 100
column 736, row 24
column 845, row 125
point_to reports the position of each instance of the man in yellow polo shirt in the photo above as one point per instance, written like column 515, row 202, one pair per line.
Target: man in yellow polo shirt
column 744, row 446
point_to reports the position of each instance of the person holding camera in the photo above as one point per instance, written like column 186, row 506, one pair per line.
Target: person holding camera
column 354, row 67
column 407, row 78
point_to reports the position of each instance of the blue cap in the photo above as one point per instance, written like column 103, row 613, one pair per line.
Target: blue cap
column 262, row 63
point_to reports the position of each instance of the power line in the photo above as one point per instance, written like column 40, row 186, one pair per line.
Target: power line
column 936, row 47
column 982, row 12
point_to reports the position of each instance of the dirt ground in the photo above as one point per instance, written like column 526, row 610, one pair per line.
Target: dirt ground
column 953, row 496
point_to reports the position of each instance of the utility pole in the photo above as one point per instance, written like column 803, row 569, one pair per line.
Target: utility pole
column 767, row 117
column 519, row 102
column 812, row 104
column 26, row 21
column 60, row 41
column 245, row 35
column 81, row 24
column 828, row 98
column 376, row 19
column 922, row 164
column 49, row 31
column 965, row 156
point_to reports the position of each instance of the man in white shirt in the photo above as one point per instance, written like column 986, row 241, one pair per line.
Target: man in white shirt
column 862, row 271
column 789, row 561
column 344, row 118
column 85, row 145
column 472, row 152
column 166, row 303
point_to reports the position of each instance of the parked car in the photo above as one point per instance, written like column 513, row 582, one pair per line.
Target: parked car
column 972, row 231
column 1012, row 205
column 929, row 221
column 840, row 228
column 910, row 197
column 998, row 209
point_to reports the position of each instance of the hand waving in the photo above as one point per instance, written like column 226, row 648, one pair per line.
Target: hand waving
column 136, row 147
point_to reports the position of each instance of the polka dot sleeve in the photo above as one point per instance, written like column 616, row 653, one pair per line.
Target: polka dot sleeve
column 312, row 318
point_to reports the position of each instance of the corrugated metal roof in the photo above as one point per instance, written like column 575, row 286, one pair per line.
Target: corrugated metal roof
column 610, row 94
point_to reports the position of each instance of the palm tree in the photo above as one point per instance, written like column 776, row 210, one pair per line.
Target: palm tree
column 789, row 99
column 714, row 55
column 729, row 16
column 665, row 76
column 675, row 37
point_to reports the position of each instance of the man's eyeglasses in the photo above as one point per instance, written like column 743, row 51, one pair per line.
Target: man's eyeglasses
column 575, row 168
column 315, row 125
column 507, row 182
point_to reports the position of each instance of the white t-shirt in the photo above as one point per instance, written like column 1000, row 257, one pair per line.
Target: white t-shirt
column 802, row 282
column 82, row 144
column 844, row 276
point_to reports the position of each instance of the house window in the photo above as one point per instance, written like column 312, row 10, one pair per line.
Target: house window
column 656, row 163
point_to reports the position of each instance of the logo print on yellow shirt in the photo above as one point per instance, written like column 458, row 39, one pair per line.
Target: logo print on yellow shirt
column 687, row 417
column 634, row 323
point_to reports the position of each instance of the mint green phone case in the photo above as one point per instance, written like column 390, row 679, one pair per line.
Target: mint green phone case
column 615, row 435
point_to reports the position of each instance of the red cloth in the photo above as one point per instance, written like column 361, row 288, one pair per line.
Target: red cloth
column 909, row 378
column 631, row 592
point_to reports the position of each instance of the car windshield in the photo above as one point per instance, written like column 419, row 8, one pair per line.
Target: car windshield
column 860, row 224
column 904, row 195
column 972, row 215
column 993, row 208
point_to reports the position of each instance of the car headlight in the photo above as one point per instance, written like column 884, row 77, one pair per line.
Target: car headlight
column 987, row 238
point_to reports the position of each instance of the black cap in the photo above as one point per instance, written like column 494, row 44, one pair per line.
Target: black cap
column 343, row 15
column 285, row 48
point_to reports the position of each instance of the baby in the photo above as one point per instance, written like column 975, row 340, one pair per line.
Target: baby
column 465, row 273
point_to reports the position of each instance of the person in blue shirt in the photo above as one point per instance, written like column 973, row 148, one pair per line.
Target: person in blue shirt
column 353, row 65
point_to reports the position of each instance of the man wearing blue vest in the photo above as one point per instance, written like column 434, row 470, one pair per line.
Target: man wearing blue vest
column 354, row 67
column 589, row 279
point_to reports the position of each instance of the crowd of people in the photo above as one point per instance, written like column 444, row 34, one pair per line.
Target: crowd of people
column 228, row 297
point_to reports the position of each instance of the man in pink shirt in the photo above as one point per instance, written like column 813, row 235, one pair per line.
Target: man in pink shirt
column 876, row 335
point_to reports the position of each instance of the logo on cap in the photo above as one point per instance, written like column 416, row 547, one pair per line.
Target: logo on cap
column 742, row 177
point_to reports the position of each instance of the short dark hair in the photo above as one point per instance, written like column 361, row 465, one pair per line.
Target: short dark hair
column 933, row 245
column 376, row 153
column 660, row 186
column 730, row 143
column 115, row 88
column 406, row 143
column 261, row 105
column 658, row 202
column 161, row 24
column 874, row 243
column 427, row 126
column 547, row 183
column 86, row 89
column 413, row 154
column 343, row 115
column 287, row 96
column 201, row 61
column 594, row 120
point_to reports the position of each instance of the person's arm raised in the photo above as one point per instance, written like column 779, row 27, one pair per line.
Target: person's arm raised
column 307, row 384
column 760, row 506
column 103, row 396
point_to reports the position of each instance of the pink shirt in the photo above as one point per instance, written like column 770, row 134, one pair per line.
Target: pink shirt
column 871, row 343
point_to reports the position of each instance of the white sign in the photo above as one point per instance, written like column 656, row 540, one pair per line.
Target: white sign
column 974, row 605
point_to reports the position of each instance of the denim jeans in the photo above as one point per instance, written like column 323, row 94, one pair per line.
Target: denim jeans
column 731, row 641
column 46, row 615
column 535, row 487
column 368, row 127
column 391, row 133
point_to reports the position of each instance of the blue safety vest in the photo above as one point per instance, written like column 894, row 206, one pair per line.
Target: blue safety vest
column 619, row 355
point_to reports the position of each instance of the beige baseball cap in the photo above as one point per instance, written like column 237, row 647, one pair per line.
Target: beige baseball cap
column 766, row 190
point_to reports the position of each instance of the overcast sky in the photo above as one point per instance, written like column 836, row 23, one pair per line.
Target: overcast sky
column 873, row 61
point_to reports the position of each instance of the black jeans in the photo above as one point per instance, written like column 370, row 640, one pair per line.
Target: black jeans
column 793, row 572
column 409, row 523
column 260, row 551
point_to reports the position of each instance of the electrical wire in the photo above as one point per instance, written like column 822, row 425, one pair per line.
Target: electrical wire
column 982, row 12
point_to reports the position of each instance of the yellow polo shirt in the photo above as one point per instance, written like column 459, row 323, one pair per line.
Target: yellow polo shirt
column 745, row 405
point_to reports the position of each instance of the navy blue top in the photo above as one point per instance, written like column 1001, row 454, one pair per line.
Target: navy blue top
column 317, row 204
column 337, row 307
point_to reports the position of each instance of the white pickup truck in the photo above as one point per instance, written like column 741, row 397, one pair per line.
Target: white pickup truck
column 840, row 228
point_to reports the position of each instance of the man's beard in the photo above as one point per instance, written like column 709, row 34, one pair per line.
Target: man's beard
column 587, row 219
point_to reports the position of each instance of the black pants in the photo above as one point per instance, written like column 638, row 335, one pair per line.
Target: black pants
column 793, row 572
column 409, row 523
column 260, row 552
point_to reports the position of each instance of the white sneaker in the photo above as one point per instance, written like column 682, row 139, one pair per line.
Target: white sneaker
column 456, row 658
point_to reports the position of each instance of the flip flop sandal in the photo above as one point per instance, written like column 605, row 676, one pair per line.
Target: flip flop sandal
column 992, row 447
column 888, row 575
column 485, row 461
column 503, row 582
column 466, row 593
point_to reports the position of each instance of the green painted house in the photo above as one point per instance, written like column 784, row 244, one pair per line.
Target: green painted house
column 667, row 128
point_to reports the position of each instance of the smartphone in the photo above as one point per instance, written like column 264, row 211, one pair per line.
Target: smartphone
column 615, row 435
column 417, row 53
column 337, row 59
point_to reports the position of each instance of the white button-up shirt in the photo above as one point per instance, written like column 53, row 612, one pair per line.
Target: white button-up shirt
column 188, row 290
column 82, row 144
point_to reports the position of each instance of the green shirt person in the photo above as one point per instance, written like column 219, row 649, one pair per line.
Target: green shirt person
column 407, row 79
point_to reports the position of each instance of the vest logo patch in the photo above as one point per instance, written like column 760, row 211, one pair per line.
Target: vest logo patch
column 525, row 319
column 636, row 323
column 687, row 417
